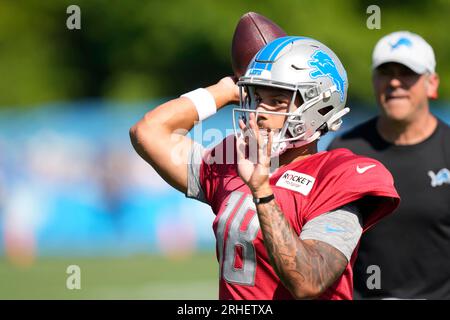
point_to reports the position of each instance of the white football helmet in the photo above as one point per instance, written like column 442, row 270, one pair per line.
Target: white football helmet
column 309, row 69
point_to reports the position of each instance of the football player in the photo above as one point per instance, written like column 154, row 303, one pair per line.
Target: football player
column 288, row 219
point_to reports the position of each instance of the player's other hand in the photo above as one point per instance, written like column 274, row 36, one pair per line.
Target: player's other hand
column 254, row 153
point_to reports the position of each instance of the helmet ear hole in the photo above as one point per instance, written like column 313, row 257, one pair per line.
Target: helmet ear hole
column 299, row 99
column 325, row 110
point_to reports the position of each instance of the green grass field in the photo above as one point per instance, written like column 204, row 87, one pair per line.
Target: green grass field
column 135, row 277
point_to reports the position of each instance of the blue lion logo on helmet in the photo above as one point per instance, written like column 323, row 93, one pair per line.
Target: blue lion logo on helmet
column 325, row 67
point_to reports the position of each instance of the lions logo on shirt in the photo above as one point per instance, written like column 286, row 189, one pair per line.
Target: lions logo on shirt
column 438, row 179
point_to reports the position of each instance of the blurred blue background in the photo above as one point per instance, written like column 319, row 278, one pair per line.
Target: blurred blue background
column 71, row 183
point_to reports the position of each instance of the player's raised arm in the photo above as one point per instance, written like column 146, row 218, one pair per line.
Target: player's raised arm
column 159, row 137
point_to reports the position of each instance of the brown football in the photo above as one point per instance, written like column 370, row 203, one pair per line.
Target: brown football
column 252, row 32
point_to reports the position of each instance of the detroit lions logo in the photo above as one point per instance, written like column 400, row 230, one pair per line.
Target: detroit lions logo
column 443, row 176
column 325, row 67
column 401, row 42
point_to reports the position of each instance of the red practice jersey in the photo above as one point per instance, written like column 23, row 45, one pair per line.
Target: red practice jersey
column 303, row 190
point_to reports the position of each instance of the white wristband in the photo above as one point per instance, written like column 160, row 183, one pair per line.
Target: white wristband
column 204, row 102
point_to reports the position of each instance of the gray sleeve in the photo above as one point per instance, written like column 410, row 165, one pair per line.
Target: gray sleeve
column 194, row 189
column 341, row 228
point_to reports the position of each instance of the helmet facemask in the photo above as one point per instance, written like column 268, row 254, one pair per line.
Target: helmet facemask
column 295, row 131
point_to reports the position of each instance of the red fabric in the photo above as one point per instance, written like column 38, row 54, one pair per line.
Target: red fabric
column 337, row 183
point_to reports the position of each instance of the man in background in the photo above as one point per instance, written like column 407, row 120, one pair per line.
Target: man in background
column 410, row 249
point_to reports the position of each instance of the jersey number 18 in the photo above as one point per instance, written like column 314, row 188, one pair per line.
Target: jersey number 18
column 238, row 238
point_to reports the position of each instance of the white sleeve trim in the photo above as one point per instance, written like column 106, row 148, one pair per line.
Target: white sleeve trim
column 194, row 188
column 341, row 228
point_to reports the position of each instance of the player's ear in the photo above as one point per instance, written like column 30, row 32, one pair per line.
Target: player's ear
column 432, row 86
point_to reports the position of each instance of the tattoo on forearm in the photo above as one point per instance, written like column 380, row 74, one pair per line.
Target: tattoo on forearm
column 308, row 264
